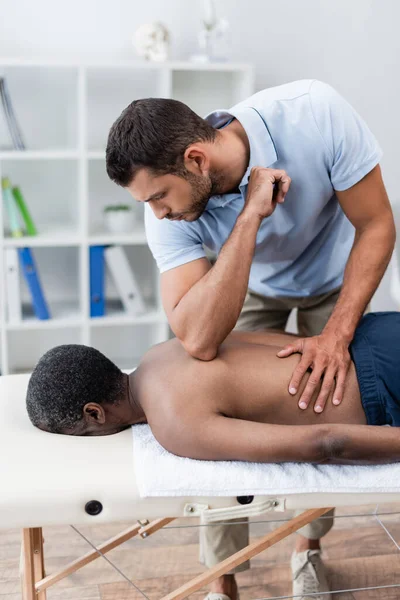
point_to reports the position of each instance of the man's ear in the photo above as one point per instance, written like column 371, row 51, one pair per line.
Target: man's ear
column 196, row 159
column 93, row 412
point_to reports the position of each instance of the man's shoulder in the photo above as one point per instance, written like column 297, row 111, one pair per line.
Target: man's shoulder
column 294, row 96
column 286, row 91
column 155, row 373
column 160, row 365
column 159, row 353
column 166, row 394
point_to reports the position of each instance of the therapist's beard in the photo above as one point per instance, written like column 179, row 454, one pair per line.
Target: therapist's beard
column 202, row 188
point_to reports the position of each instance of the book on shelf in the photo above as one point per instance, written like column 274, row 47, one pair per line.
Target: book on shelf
column 13, row 290
column 31, row 274
column 16, row 207
column 30, row 227
column 96, row 268
column 10, row 118
column 11, row 208
column 124, row 280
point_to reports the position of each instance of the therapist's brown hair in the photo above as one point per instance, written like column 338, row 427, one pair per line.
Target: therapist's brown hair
column 153, row 133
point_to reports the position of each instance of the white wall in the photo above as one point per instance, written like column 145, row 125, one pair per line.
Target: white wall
column 352, row 44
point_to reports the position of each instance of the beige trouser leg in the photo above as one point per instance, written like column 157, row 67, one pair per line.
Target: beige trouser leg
column 218, row 542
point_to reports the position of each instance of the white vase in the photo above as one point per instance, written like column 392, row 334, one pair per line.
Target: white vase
column 119, row 221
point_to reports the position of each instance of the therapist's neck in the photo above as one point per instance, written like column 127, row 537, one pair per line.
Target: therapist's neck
column 137, row 414
column 231, row 155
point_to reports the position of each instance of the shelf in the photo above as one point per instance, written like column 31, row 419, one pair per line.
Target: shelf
column 39, row 154
column 175, row 65
column 193, row 86
column 138, row 236
column 49, row 236
column 102, row 192
column 45, row 102
column 52, row 192
column 65, row 108
column 109, row 91
column 96, row 155
column 64, row 315
column 121, row 318
column 133, row 341
column 26, row 346
column 69, row 237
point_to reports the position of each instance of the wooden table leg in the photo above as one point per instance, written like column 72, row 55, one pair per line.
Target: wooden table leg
column 32, row 563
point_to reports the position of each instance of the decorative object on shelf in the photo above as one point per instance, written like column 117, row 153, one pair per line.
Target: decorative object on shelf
column 212, row 37
column 10, row 118
column 119, row 218
column 151, row 41
column 14, row 199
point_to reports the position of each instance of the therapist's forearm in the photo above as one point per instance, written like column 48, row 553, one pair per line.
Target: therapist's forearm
column 209, row 310
column 368, row 260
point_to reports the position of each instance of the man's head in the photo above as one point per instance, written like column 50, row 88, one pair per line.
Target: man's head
column 160, row 150
column 76, row 390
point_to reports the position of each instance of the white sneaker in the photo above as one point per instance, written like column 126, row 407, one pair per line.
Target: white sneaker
column 216, row 596
column 309, row 576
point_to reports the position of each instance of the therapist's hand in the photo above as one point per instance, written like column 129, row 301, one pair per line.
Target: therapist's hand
column 329, row 358
column 266, row 189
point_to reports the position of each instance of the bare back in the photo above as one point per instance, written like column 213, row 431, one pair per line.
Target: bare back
column 245, row 381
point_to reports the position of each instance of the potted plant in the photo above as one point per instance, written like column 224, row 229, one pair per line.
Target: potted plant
column 119, row 218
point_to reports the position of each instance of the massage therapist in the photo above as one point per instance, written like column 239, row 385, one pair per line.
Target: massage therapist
column 286, row 189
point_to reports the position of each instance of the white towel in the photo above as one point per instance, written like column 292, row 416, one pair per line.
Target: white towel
column 160, row 473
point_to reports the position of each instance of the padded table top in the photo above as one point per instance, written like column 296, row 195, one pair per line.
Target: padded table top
column 48, row 479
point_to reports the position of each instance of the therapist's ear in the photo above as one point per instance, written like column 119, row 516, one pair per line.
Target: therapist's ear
column 196, row 159
column 93, row 412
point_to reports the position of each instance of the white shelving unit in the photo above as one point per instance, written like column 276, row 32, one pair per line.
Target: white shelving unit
column 65, row 111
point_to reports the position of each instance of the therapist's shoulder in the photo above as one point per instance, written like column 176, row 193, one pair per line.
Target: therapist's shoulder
column 268, row 96
column 315, row 91
column 323, row 94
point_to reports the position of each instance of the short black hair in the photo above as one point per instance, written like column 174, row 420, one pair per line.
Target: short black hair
column 65, row 379
column 153, row 133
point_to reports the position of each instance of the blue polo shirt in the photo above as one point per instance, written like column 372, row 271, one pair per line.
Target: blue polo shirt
column 310, row 131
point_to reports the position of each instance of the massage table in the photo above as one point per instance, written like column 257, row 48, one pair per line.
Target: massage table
column 49, row 479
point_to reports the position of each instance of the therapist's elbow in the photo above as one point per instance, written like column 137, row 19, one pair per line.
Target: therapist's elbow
column 194, row 341
column 205, row 353
column 390, row 231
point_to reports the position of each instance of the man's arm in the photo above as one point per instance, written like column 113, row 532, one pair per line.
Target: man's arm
column 367, row 207
column 203, row 303
column 222, row 438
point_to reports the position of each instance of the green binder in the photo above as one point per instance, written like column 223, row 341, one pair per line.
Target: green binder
column 19, row 199
column 11, row 208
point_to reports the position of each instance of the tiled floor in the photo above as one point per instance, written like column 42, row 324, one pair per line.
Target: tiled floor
column 358, row 552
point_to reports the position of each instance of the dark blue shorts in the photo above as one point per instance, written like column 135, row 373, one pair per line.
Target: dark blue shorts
column 375, row 351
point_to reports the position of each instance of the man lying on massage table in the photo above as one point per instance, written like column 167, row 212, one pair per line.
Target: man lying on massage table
column 236, row 406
